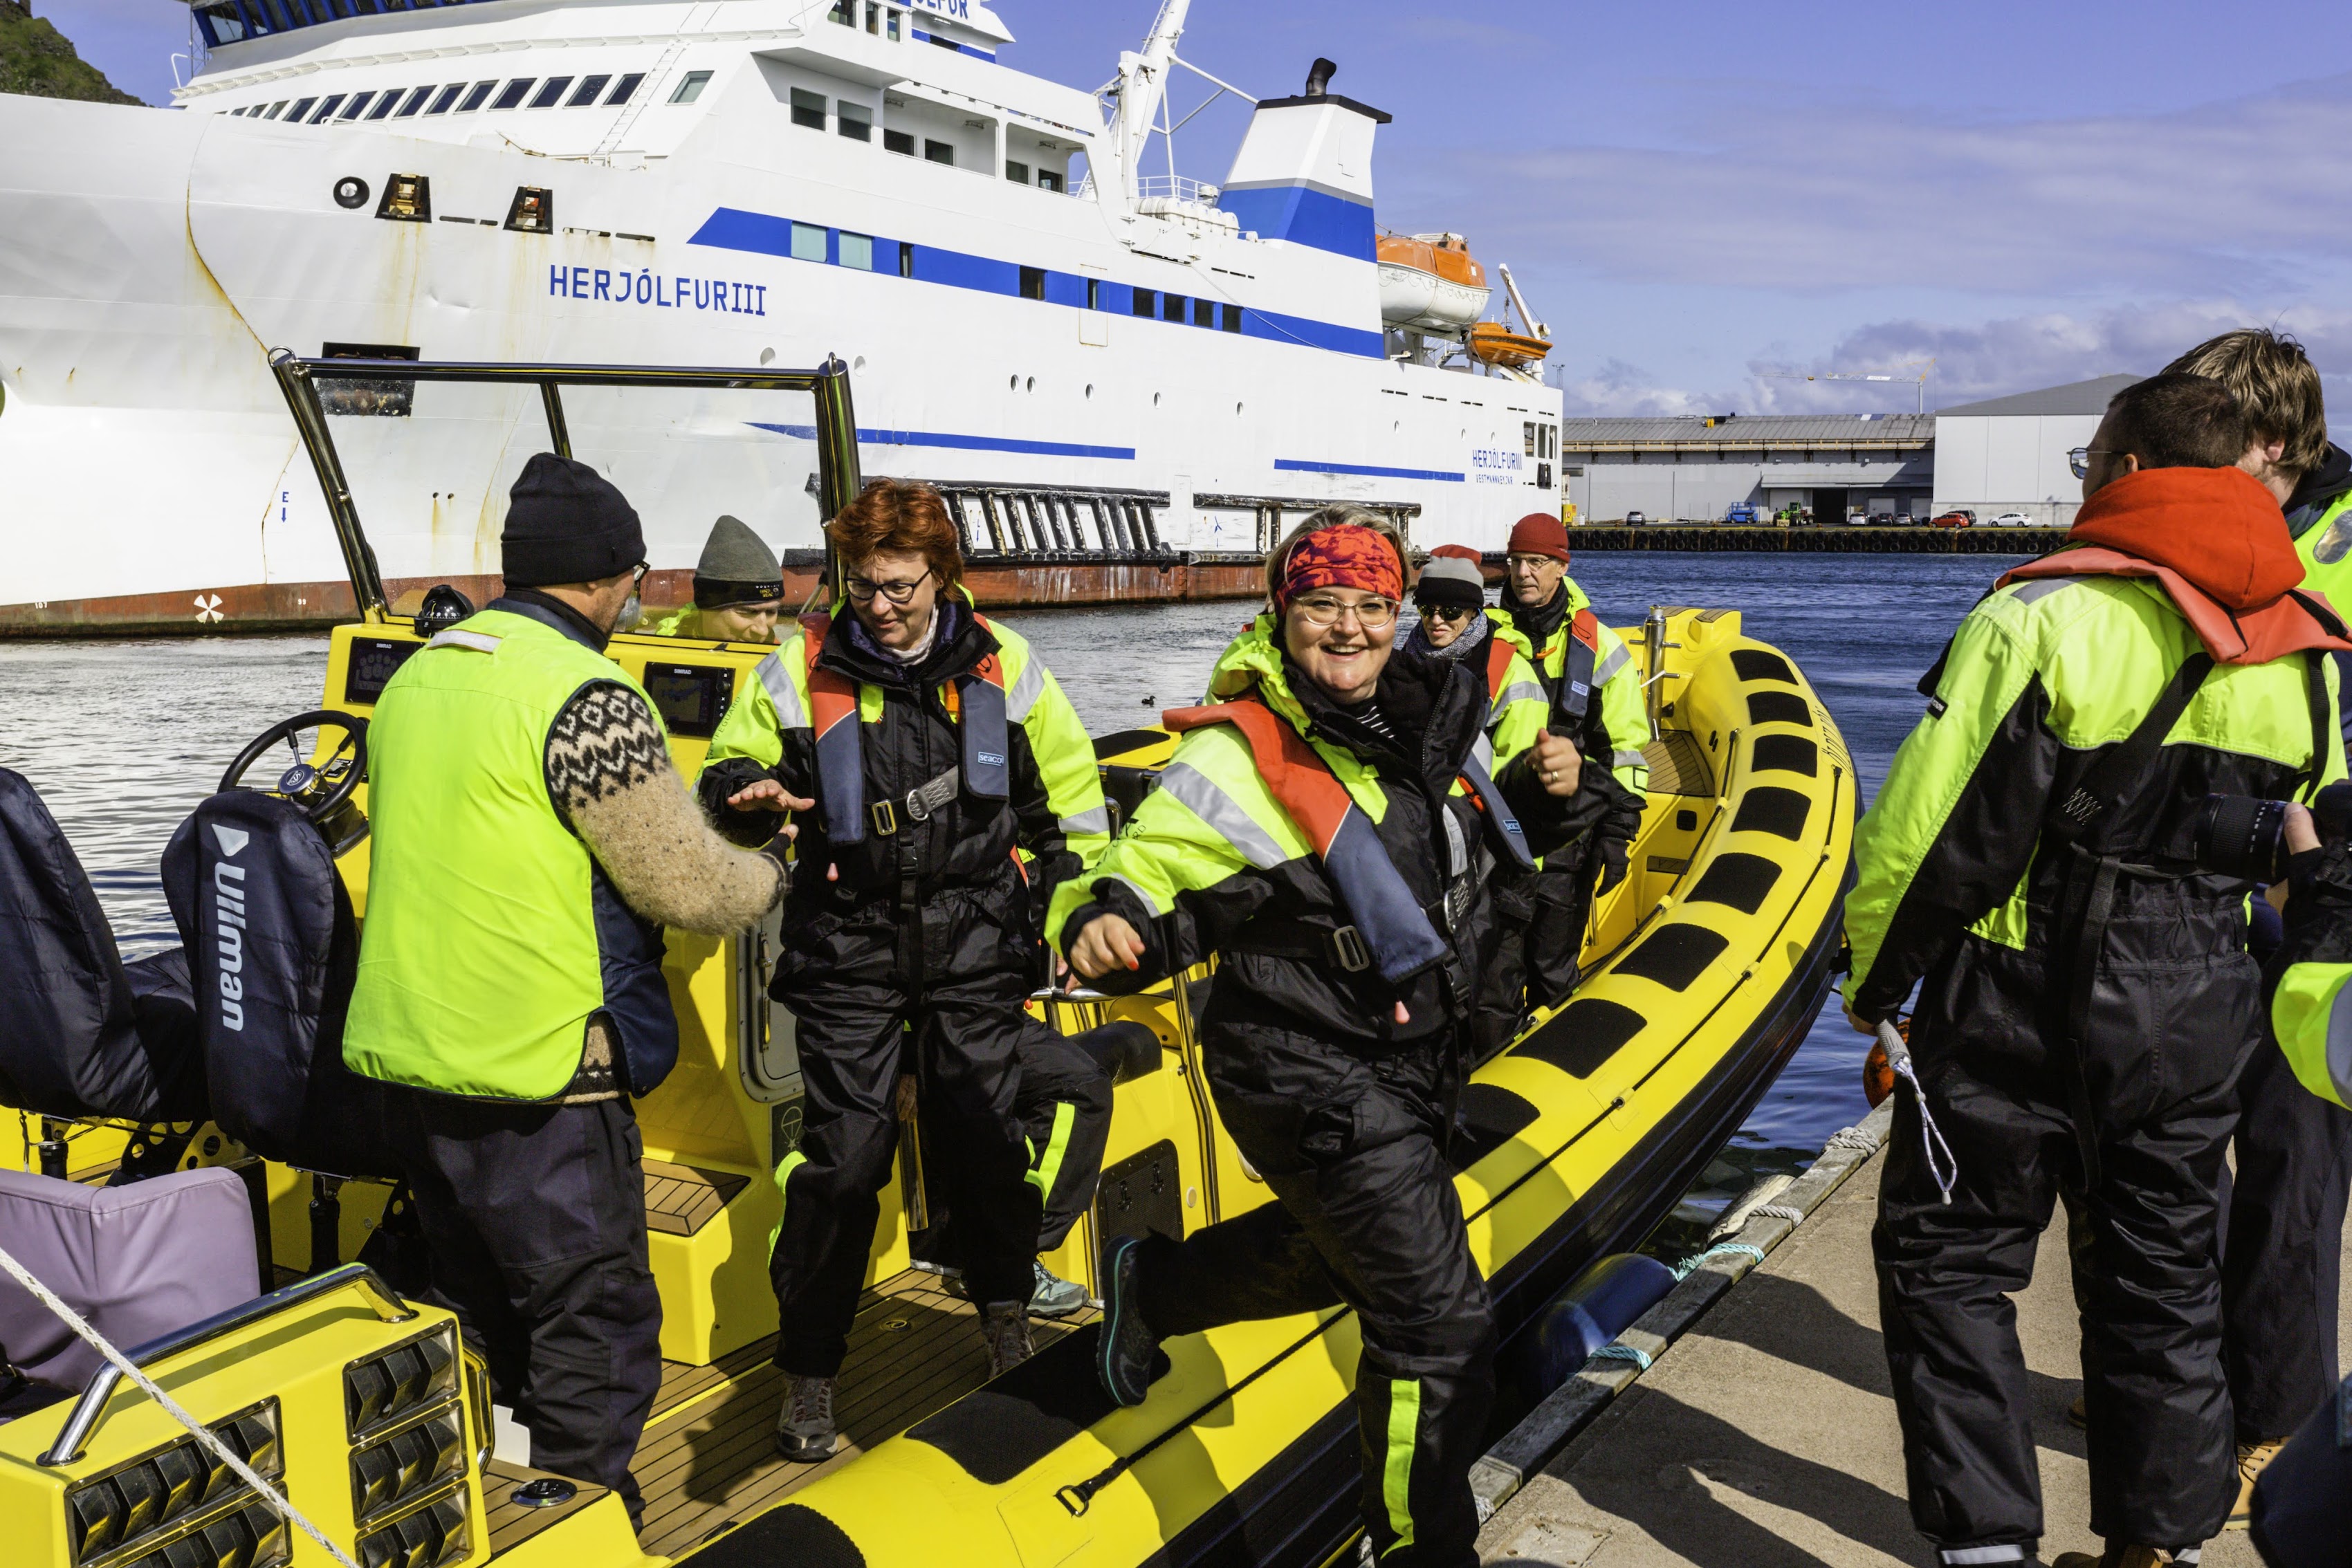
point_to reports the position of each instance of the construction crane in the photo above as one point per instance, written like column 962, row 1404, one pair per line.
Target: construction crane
column 1925, row 366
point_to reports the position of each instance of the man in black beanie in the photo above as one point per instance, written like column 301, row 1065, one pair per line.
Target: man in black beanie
column 530, row 840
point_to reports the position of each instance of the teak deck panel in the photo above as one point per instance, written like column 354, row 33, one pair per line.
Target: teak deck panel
column 708, row 1457
column 682, row 1199
column 510, row 1522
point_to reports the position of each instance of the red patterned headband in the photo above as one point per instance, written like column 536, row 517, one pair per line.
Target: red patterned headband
column 1346, row 555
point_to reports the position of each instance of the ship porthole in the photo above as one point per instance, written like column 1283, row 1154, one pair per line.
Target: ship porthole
column 1032, row 386
column 767, row 356
column 351, row 190
column 1090, row 389
column 1012, row 383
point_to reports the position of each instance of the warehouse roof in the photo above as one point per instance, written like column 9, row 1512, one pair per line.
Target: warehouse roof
column 2074, row 397
column 1734, row 432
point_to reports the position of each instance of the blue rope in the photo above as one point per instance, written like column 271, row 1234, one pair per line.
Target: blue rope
column 1691, row 1265
column 1640, row 1358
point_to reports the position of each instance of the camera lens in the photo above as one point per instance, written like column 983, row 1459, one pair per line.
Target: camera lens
column 2241, row 836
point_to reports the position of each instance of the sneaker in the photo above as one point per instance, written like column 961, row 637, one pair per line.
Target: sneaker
column 1055, row 1297
column 1130, row 1354
column 805, row 1430
column 2252, row 1459
column 1005, row 1326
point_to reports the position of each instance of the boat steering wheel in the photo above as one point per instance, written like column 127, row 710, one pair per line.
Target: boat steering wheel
column 321, row 790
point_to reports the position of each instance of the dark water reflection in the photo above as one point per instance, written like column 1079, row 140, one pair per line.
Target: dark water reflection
column 122, row 739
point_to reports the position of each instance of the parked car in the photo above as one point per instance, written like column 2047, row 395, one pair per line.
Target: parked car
column 1744, row 512
column 1881, row 520
column 1635, row 519
column 1906, row 521
column 2012, row 520
column 1959, row 518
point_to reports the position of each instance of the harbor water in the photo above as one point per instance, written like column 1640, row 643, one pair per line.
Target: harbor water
column 123, row 739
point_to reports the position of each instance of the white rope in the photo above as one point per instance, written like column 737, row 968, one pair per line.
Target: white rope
column 202, row 1434
column 1777, row 1211
column 1947, row 1173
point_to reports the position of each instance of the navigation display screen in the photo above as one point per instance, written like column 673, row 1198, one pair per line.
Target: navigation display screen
column 374, row 659
column 692, row 698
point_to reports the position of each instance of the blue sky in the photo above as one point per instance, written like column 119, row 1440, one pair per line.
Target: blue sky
column 1696, row 194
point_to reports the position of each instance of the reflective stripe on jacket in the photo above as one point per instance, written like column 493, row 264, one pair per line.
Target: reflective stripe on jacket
column 1621, row 716
column 2311, row 1014
column 491, row 934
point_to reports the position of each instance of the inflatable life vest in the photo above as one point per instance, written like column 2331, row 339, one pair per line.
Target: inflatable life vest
column 841, row 763
column 1391, row 922
column 1575, row 674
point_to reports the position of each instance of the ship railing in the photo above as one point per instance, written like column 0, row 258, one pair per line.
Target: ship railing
column 1071, row 522
column 1269, row 513
column 1175, row 188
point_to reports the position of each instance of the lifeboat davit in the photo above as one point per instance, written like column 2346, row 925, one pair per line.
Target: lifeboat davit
column 1430, row 283
column 1492, row 343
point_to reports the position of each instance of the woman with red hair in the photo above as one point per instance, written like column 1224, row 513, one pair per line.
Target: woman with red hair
column 1328, row 827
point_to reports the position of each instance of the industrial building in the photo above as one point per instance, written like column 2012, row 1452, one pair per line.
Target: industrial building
column 2008, row 454
column 1693, row 469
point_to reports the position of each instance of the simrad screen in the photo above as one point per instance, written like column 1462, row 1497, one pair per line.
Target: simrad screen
column 692, row 698
column 372, row 662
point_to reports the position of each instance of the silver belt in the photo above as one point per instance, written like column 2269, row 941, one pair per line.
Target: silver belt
column 918, row 802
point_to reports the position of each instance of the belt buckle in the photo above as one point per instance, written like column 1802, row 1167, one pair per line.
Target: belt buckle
column 886, row 818
column 1354, row 955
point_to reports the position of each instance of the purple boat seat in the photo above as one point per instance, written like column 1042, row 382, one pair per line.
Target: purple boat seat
column 136, row 1261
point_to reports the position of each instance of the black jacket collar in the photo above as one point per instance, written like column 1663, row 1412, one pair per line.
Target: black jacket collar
column 960, row 644
column 552, row 613
column 1441, row 702
column 1537, row 621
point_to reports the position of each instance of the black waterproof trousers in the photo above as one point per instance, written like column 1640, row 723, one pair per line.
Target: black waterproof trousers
column 534, row 1220
column 2283, row 1249
column 2158, row 1079
column 1539, row 920
column 943, row 1000
column 1367, row 1216
column 1065, row 1108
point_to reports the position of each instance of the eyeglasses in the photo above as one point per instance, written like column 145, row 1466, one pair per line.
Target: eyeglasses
column 1321, row 612
column 862, row 592
column 2079, row 459
column 637, row 575
column 1529, row 562
column 1444, row 611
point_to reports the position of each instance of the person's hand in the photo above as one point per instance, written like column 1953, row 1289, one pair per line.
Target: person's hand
column 1613, row 864
column 2302, row 833
column 1854, row 1022
column 1559, row 765
column 767, row 795
column 1107, row 943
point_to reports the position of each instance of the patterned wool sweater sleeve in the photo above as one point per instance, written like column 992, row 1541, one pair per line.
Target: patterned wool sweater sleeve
column 610, row 774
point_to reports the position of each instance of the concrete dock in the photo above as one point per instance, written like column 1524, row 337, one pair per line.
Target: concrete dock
column 1765, row 1436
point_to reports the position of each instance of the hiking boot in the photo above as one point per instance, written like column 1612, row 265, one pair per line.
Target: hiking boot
column 1005, row 1326
column 805, row 1430
column 1055, row 1297
column 2252, row 1459
column 1129, row 1357
column 2116, row 1556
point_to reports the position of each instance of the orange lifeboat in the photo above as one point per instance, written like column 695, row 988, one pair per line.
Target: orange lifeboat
column 1430, row 283
column 1492, row 343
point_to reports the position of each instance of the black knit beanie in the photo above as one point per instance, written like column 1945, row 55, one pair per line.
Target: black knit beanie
column 566, row 523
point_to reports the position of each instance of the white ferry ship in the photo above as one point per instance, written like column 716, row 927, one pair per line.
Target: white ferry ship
column 1125, row 380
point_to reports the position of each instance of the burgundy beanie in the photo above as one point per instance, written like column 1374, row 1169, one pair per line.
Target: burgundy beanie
column 1539, row 533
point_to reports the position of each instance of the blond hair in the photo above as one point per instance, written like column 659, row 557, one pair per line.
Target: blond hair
column 1339, row 515
column 2275, row 381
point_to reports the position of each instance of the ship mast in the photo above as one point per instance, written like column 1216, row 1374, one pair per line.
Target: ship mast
column 1141, row 88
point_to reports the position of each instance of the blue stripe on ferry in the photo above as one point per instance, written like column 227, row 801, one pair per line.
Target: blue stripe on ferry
column 761, row 233
column 961, row 443
column 1303, row 216
column 1296, row 465
column 923, row 37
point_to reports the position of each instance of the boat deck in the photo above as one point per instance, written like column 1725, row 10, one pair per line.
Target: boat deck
column 709, row 1457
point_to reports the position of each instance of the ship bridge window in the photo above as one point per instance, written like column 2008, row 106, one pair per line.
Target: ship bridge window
column 808, row 242
column 808, row 108
column 275, row 110
column 385, row 105
column 416, row 101
column 327, row 109
column 1048, row 180
column 1016, row 172
column 476, row 96
column 856, row 121
column 857, row 251
column 902, row 141
column 628, row 89
column 301, row 107
column 444, row 101
column 511, row 95
column 359, row 101
column 550, row 92
column 691, row 87
column 1145, row 304
column 590, row 87
column 939, row 151
column 221, row 24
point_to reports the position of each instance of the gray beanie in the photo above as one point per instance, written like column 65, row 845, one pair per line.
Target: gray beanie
column 1451, row 581
column 736, row 568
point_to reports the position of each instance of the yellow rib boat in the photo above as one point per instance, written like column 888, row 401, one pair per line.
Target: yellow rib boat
column 1703, row 972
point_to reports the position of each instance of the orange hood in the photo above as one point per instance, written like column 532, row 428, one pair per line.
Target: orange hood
column 2216, row 542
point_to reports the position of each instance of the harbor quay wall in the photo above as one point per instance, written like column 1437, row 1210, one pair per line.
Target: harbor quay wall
column 278, row 607
column 1695, row 538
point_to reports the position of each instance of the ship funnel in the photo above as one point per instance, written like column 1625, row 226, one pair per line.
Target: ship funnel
column 1303, row 172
